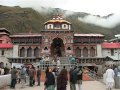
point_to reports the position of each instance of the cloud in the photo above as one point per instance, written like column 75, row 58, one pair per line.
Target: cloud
column 108, row 22
column 96, row 7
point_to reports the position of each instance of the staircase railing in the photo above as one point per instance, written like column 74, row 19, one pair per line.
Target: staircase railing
column 94, row 75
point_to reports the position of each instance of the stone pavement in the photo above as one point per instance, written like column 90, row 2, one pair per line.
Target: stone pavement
column 87, row 85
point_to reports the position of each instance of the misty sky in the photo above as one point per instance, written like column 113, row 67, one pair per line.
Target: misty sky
column 95, row 7
column 100, row 7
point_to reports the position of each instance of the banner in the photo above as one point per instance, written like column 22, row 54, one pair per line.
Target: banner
column 17, row 65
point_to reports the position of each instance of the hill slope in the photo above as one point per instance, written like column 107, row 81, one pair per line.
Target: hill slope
column 20, row 20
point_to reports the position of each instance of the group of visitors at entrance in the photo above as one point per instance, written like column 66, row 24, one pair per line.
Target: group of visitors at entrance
column 25, row 76
column 54, row 77
column 59, row 78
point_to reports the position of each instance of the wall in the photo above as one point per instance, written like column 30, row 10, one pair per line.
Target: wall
column 4, row 58
column 15, row 50
column 99, row 50
column 107, row 52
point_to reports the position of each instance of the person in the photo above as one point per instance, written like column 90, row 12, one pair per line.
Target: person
column 58, row 63
column 47, row 70
column 27, row 75
column 19, row 75
column 116, row 70
column 2, row 71
column 50, row 81
column 35, row 73
column 79, row 77
column 109, row 78
column 23, row 76
column 47, row 58
column 116, row 74
column 6, row 70
column 38, row 75
column 31, row 74
column 62, row 80
column 73, row 78
column 13, row 77
column 65, row 71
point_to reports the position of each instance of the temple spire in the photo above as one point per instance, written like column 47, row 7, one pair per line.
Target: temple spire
column 57, row 17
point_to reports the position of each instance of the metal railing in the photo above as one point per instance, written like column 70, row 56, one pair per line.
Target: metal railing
column 45, row 64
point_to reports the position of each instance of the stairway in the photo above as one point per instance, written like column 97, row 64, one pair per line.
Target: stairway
column 64, row 61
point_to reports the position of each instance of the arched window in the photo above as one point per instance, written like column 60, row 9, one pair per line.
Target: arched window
column 92, row 52
column 78, row 52
column 29, row 52
column 36, row 52
column 85, row 52
column 68, row 48
column 45, row 48
column 22, row 52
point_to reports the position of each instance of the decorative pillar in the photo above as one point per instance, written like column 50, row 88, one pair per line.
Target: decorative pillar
column 25, row 52
column 32, row 52
column 89, row 52
column 81, row 52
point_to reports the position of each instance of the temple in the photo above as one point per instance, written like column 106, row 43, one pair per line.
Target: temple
column 57, row 39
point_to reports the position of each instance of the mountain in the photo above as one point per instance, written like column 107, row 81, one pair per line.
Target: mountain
column 20, row 20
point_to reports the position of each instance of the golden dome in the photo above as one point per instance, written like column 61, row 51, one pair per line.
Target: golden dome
column 57, row 19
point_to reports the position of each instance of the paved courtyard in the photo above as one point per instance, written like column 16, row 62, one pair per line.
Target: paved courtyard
column 87, row 85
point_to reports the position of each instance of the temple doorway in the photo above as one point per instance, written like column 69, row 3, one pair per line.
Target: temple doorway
column 57, row 47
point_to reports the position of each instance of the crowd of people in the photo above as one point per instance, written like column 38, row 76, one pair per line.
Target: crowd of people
column 110, row 74
column 54, row 77
column 25, row 76
column 58, row 77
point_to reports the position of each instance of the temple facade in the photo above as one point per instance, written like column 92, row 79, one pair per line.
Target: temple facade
column 57, row 39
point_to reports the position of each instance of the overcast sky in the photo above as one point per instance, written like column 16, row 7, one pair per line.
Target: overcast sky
column 94, row 7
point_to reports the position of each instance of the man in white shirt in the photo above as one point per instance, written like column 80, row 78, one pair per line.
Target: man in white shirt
column 109, row 78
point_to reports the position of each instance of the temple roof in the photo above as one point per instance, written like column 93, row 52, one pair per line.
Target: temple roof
column 6, row 45
column 110, row 45
column 4, row 30
column 91, row 34
column 57, row 19
column 26, row 35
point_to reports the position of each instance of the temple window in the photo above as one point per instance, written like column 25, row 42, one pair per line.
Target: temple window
column 29, row 52
column 92, row 52
column 2, row 53
column 68, row 48
column 50, row 26
column 64, row 26
column 45, row 48
column 36, row 52
column 85, row 52
column 22, row 52
column 112, row 52
column 78, row 52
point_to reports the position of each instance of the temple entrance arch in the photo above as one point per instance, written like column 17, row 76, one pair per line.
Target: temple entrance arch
column 57, row 47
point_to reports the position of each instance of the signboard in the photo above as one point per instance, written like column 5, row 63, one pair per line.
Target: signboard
column 17, row 65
